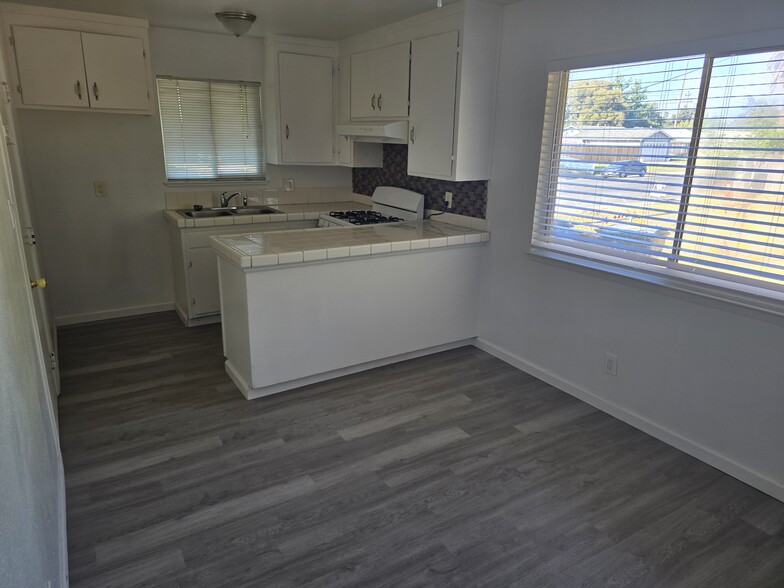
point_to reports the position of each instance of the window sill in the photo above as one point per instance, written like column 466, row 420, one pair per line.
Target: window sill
column 706, row 290
column 214, row 183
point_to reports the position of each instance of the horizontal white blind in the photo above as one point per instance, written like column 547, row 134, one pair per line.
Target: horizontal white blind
column 674, row 164
column 211, row 129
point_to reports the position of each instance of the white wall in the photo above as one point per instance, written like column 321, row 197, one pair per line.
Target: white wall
column 707, row 377
column 110, row 256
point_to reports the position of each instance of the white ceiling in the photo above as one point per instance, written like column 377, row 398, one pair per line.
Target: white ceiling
column 318, row 19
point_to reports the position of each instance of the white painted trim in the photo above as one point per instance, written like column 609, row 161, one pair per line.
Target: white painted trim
column 72, row 15
column 195, row 322
column 719, row 461
column 253, row 393
column 88, row 317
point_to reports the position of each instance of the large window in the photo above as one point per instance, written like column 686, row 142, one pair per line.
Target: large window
column 211, row 130
column 672, row 167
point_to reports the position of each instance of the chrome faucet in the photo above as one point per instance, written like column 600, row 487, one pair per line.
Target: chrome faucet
column 224, row 201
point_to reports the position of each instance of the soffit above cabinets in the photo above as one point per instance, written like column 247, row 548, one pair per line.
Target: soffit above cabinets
column 317, row 19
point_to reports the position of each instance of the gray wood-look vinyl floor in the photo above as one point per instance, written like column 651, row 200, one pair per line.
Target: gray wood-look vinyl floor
column 450, row 470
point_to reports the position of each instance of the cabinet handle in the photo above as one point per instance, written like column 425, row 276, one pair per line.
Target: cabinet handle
column 95, row 90
column 79, row 89
column 287, row 132
column 373, row 102
column 379, row 102
column 411, row 135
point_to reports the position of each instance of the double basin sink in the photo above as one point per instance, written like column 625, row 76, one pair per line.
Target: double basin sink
column 228, row 211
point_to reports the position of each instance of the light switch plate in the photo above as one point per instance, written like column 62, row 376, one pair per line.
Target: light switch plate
column 101, row 189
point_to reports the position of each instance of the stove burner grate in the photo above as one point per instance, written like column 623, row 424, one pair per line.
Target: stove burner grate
column 364, row 217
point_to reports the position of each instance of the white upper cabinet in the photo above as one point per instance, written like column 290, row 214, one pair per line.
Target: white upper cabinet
column 300, row 101
column 51, row 71
column 306, row 117
column 116, row 72
column 432, row 119
column 350, row 152
column 379, row 82
column 453, row 88
column 448, row 59
column 78, row 61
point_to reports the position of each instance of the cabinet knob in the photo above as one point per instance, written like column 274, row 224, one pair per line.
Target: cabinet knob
column 78, row 89
column 95, row 90
column 373, row 102
column 379, row 102
column 411, row 135
column 287, row 131
column 39, row 283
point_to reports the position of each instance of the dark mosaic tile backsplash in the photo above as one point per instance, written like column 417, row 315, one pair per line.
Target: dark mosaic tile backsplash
column 470, row 198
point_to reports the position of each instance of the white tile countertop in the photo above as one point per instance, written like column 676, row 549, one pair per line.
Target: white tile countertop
column 288, row 212
column 258, row 250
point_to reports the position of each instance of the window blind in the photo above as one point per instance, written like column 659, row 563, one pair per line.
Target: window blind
column 211, row 129
column 673, row 165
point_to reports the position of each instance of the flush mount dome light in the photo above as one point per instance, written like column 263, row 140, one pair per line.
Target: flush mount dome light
column 236, row 22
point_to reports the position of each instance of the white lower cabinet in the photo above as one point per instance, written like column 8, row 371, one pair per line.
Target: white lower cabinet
column 196, row 291
column 203, row 281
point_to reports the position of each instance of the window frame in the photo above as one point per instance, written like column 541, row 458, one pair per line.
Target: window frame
column 261, row 179
column 742, row 292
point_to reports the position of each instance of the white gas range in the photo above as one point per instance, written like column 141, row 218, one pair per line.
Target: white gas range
column 389, row 205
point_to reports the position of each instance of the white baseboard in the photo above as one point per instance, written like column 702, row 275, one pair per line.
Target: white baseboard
column 711, row 457
column 205, row 320
column 74, row 319
column 253, row 393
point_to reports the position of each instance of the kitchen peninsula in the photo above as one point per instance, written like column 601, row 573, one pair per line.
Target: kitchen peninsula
column 307, row 305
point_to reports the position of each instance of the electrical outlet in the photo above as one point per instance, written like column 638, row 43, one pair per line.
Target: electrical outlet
column 101, row 189
column 288, row 184
column 448, row 198
column 611, row 364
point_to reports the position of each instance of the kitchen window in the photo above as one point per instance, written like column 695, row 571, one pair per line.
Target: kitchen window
column 212, row 130
column 669, row 168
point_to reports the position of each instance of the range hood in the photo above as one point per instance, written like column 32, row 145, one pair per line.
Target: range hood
column 376, row 132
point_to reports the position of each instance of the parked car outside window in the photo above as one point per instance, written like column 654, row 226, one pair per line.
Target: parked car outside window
column 625, row 168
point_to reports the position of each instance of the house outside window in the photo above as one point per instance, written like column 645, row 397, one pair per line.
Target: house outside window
column 212, row 130
column 672, row 167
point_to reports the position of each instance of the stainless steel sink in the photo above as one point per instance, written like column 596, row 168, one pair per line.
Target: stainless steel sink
column 254, row 210
column 204, row 213
column 213, row 212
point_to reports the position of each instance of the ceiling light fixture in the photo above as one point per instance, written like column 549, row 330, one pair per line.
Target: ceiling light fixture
column 439, row 4
column 236, row 22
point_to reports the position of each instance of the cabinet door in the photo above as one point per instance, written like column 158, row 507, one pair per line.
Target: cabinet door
column 432, row 119
column 344, row 89
column 344, row 150
column 363, row 85
column 306, row 121
column 203, row 278
column 50, row 65
column 116, row 72
column 392, row 64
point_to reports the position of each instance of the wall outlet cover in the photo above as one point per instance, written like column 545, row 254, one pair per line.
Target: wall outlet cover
column 611, row 364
